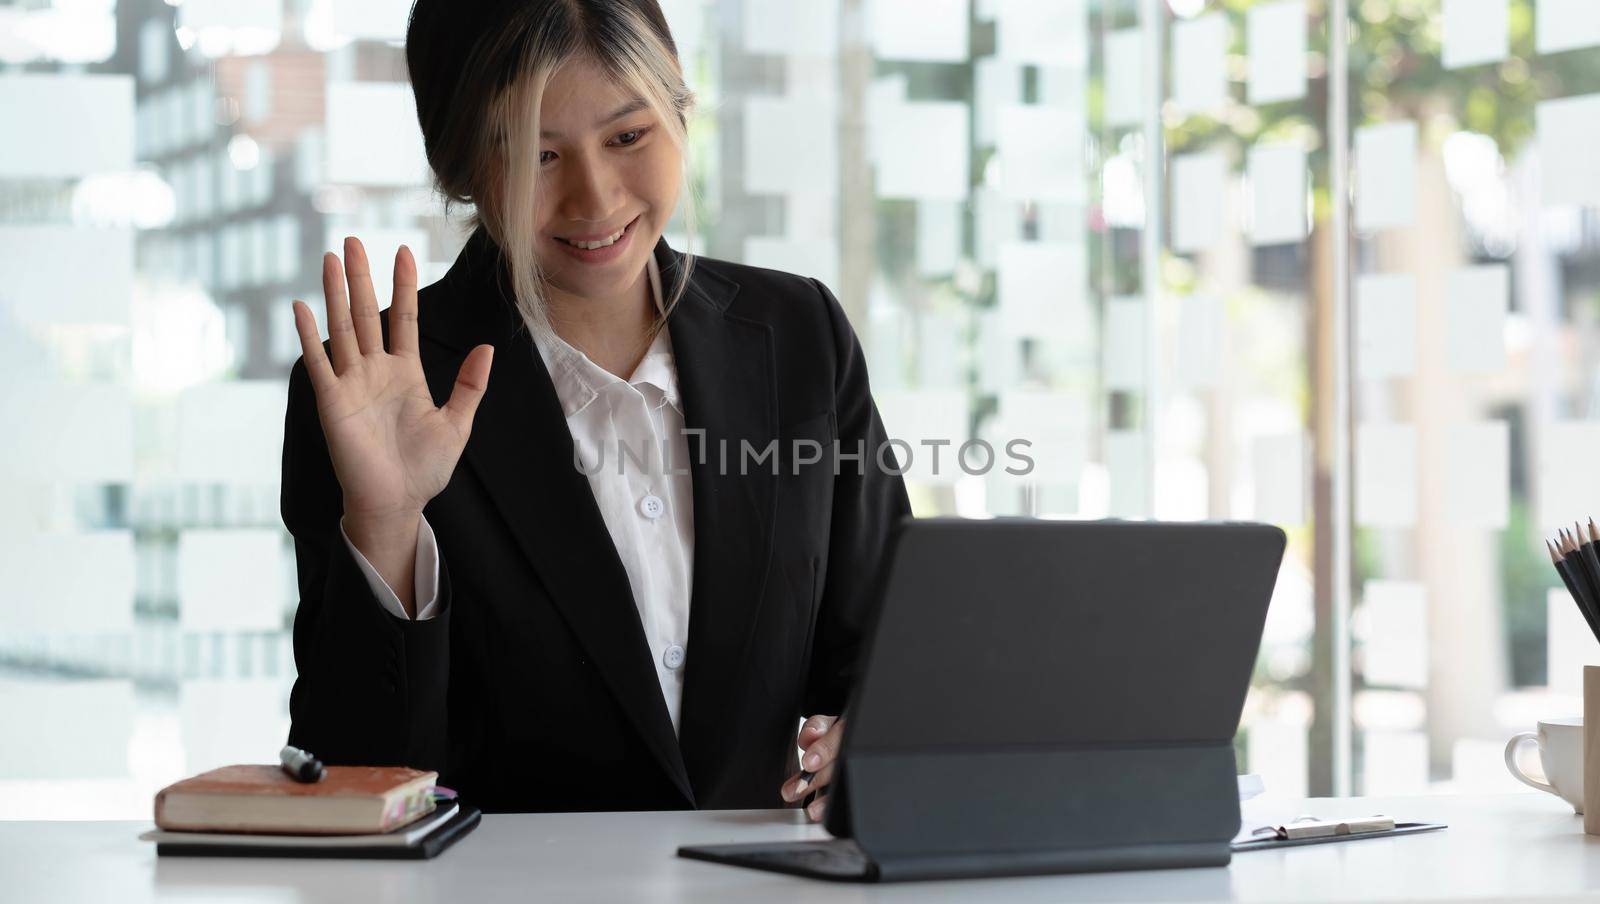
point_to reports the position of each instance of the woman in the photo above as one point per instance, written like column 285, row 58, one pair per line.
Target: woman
column 566, row 623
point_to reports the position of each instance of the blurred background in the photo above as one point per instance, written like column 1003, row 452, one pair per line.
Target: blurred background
column 1211, row 263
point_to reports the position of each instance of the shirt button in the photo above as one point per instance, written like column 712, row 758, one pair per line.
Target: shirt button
column 673, row 657
column 652, row 507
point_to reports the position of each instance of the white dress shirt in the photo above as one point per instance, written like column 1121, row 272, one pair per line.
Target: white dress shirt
column 648, row 510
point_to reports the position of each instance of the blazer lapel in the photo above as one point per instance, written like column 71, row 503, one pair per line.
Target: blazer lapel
column 726, row 377
column 522, row 450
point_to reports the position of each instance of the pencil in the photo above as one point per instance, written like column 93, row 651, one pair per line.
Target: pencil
column 1586, row 574
column 1591, row 563
column 1570, row 578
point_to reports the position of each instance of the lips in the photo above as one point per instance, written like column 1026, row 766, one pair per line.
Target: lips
column 616, row 244
column 596, row 241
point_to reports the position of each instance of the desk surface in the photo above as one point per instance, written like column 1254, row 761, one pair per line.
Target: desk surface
column 1523, row 845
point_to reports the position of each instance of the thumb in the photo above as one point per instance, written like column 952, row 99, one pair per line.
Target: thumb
column 471, row 381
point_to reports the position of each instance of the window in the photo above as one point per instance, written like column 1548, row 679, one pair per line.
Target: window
column 1332, row 264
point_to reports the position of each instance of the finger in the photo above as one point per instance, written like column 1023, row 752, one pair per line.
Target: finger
column 794, row 786
column 471, row 381
column 807, row 783
column 801, row 783
column 341, row 332
column 318, row 367
column 814, row 728
column 403, row 307
column 818, row 808
column 363, row 303
column 821, row 752
column 821, row 779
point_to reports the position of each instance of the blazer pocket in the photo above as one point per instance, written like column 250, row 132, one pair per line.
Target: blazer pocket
column 818, row 427
column 805, row 448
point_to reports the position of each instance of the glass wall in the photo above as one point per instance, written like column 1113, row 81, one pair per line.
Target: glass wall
column 1321, row 263
column 1474, row 290
column 1241, row 404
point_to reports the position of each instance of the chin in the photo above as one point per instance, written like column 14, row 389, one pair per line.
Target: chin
column 572, row 279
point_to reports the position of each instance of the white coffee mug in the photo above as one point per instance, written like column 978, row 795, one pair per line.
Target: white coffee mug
column 1560, row 752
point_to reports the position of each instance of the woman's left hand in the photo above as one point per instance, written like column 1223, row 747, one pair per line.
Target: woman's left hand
column 819, row 742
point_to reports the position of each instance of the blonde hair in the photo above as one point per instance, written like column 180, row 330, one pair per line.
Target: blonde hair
column 483, row 145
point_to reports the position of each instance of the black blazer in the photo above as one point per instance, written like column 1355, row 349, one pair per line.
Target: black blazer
column 534, row 689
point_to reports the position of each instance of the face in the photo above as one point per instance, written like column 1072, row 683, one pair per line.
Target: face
column 608, row 181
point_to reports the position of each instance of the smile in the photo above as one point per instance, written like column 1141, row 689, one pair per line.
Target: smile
column 601, row 249
column 598, row 243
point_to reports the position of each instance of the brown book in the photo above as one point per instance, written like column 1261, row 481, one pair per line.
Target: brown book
column 349, row 800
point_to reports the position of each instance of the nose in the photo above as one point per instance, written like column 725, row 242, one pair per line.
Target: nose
column 590, row 190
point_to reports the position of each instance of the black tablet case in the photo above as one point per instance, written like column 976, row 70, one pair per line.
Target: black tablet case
column 465, row 820
column 1045, row 697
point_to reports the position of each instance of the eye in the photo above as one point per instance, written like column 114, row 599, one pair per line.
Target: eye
column 546, row 157
column 632, row 136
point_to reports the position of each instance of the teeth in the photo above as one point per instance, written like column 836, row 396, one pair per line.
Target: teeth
column 590, row 246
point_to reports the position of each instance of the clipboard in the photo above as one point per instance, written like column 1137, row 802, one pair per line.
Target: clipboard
column 1270, row 843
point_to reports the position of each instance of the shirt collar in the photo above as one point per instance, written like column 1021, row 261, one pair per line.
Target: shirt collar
column 578, row 380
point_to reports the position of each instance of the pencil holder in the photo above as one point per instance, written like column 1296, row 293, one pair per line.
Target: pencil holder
column 1591, row 749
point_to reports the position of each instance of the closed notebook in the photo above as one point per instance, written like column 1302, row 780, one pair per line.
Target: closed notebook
column 349, row 800
column 423, row 839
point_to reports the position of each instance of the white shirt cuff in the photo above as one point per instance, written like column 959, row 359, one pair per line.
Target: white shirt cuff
column 425, row 584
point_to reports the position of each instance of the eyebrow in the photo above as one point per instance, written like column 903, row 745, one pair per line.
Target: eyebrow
column 627, row 109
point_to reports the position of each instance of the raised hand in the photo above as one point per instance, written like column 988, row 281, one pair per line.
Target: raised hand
column 393, row 450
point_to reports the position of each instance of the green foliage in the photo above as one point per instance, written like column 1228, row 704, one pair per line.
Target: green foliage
column 1396, row 73
column 1526, row 576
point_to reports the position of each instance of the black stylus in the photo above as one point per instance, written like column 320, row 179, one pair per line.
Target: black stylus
column 301, row 765
column 806, row 776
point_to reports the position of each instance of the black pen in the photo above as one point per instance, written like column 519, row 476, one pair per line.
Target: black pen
column 301, row 765
column 805, row 779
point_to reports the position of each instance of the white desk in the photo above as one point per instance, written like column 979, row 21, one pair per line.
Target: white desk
column 1522, row 845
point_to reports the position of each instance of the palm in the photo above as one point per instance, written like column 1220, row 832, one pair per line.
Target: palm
column 392, row 448
column 388, row 441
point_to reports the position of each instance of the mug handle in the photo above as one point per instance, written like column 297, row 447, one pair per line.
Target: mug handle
column 1511, row 761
